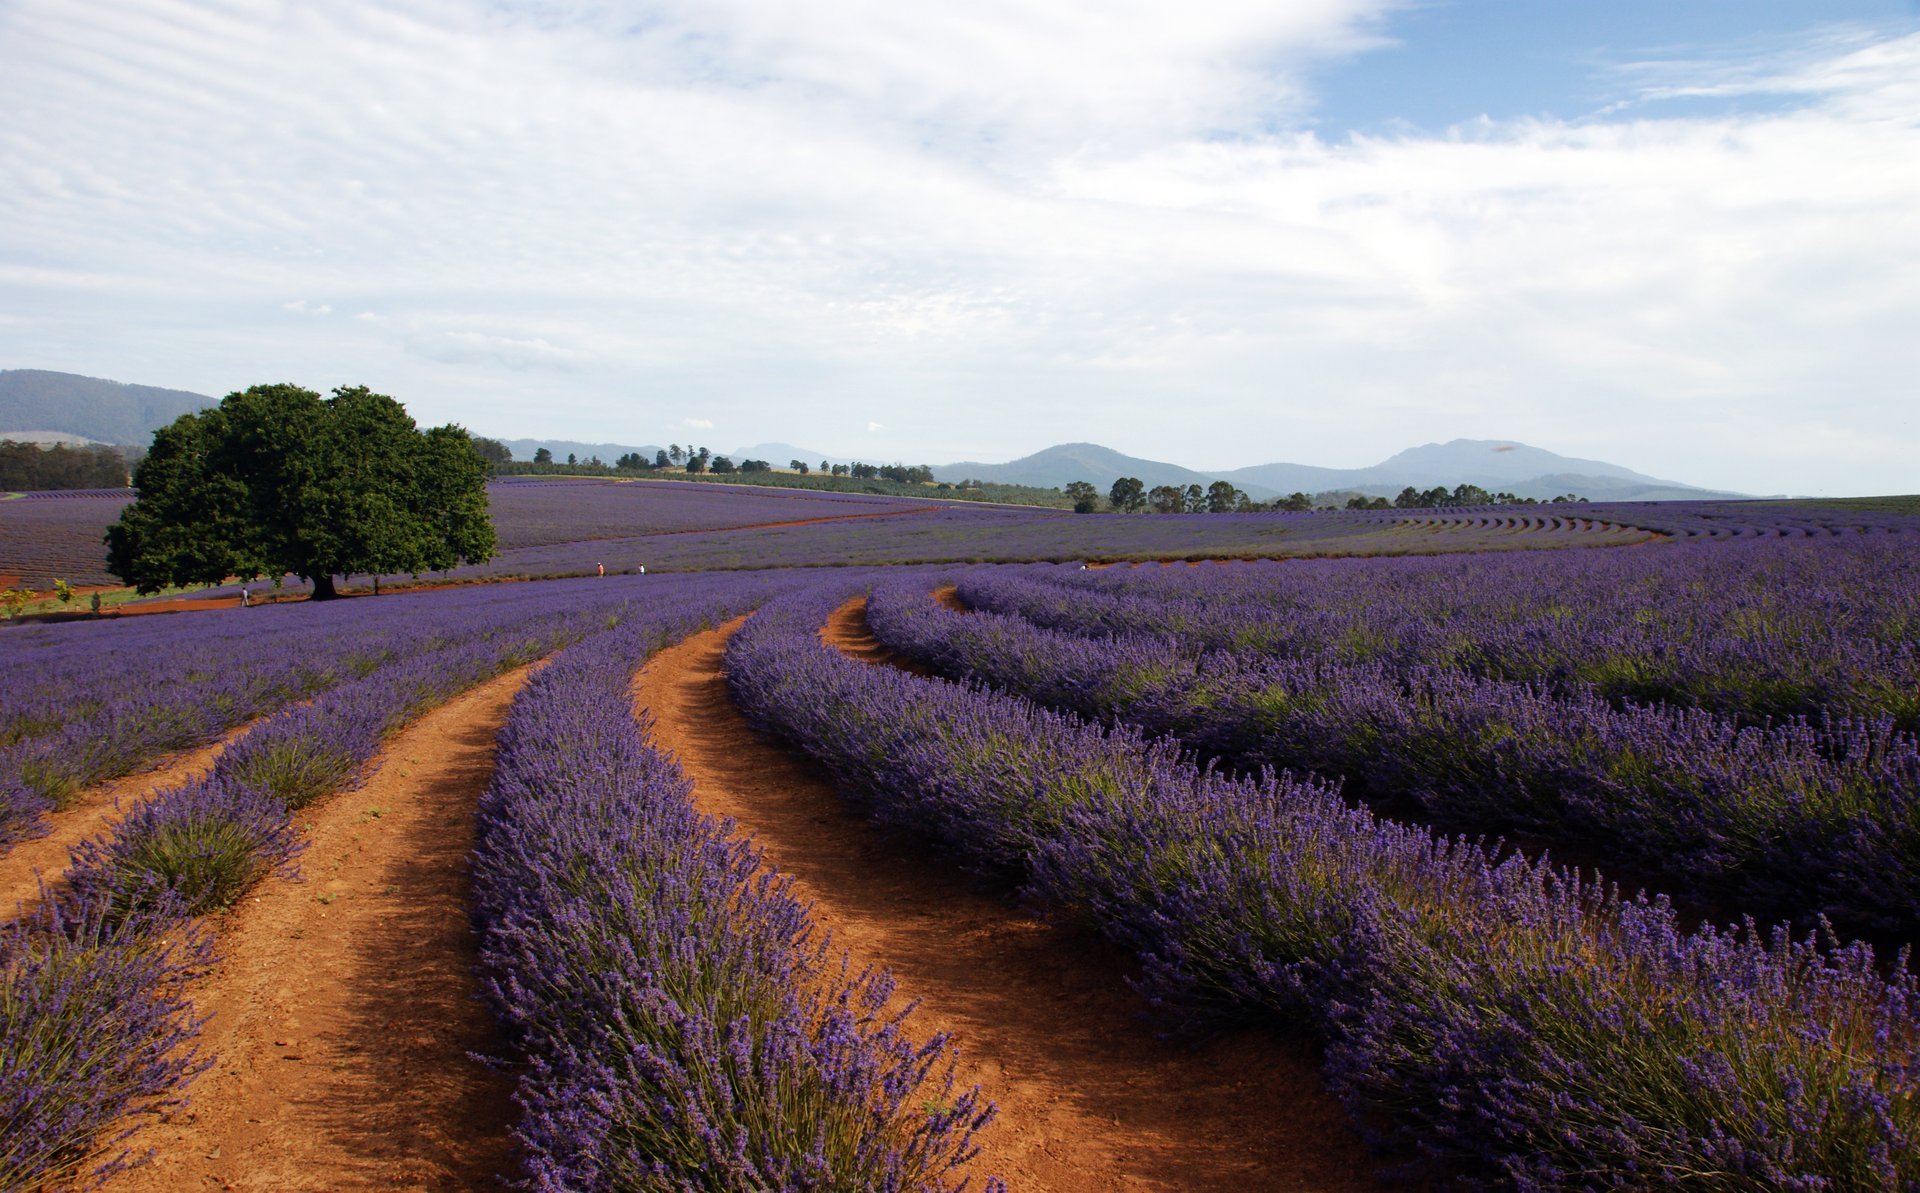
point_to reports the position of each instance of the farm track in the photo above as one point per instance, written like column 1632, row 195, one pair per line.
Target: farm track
column 89, row 813
column 345, row 1006
column 1089, row 1099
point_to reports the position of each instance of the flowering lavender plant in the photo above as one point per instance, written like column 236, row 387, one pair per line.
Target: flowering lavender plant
column 94, row 1031
column 1520, row 1025
column 682, row 1026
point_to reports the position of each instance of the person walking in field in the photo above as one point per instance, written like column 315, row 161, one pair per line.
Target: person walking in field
column 601, row 568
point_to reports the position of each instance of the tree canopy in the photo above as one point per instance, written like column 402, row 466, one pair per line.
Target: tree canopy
column 277, row 479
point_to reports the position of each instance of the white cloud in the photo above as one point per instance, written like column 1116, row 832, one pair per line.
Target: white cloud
column 873, row 426
column 1012, row 224
column 701, row 424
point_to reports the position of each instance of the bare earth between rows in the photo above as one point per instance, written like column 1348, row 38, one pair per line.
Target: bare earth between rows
column 344, row 1007
column 23, row 866
column 1089, row 1099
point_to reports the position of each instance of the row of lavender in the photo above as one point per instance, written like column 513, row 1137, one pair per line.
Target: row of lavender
column 94, row 1027
column 682, row 1025
column 1780, row 821
column 90, row 702
column 1758, row 629
column 1501, row 1015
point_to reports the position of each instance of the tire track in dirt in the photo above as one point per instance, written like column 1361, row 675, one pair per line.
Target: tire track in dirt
column 345, row 1005
column 1089, row 1099
column 88, row 814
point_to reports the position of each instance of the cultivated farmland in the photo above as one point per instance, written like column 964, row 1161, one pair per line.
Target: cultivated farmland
column 873, row 843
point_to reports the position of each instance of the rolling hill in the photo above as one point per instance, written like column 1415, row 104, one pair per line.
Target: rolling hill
column 1492, row 464
column 38, row 401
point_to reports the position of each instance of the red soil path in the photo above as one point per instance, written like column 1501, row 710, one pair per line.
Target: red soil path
column 344, row 1006
column 88, row 814
column 1089, row 1099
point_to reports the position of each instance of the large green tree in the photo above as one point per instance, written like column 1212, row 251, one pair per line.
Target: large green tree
column 278, row 479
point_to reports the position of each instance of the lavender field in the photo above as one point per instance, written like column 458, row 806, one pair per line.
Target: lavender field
column 1575, row 869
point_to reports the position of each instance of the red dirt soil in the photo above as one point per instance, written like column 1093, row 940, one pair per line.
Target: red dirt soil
column 88, row 814
column 1089, row 1099
column 345, row 1006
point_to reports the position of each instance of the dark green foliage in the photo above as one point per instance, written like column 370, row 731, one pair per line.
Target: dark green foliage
column 27, row 466
column 1127, row 495
column 1086, row 498
column 492, row 450
column 278, row 479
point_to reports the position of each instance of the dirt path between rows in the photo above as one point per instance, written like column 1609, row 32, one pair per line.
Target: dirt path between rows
column 22, row 867
column 344, row 1006
column 1089, row 1099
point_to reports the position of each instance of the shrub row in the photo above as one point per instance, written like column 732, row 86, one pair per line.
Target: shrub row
column 1515, row 1023
column 683, row 1027
column 1787, row 820
column 90, row 702
column 1768, row 628
column 92, row 1001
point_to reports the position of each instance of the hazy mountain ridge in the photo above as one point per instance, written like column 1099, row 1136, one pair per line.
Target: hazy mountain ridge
column 41, row 403
column 37, row 400
column 1493, row 464
column 523, row 449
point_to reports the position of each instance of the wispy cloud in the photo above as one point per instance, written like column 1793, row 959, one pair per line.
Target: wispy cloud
column 1010, row 225
column 701, row 424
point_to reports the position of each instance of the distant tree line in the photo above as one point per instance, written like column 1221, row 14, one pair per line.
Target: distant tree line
column 28, row 466
column 1130, row 495
column 692, row 461
column 1440, row 497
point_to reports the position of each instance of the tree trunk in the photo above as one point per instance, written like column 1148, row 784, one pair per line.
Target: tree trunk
column 323, row 588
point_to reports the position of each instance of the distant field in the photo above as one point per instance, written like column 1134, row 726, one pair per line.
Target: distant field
column 572, row 526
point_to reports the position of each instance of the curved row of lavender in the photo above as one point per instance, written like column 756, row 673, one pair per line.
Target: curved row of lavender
column 93, row 1026
column 88, row 702
column 1780, row 821
column 682, row 1025
column 1767, row 628
column 1514, row 1023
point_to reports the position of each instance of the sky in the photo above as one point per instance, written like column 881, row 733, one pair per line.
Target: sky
column 1681, row 236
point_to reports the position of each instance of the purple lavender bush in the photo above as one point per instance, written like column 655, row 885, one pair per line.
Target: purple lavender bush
column 1787, row 820
column 193, row 850
column 682, row 1026
column 95, row 1034
column 1754, row 629
column 88, row 702
column 1519, row 1025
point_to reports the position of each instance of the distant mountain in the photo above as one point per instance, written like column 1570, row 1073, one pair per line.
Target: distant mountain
column 781, row 454
column 1491, row 464
column 40, row 402
column 523, row 449
column 1054, row 467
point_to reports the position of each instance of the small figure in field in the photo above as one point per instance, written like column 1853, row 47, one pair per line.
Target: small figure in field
column 643, row 569
column 601, row 568
column 96, row 604
column 245, row 598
